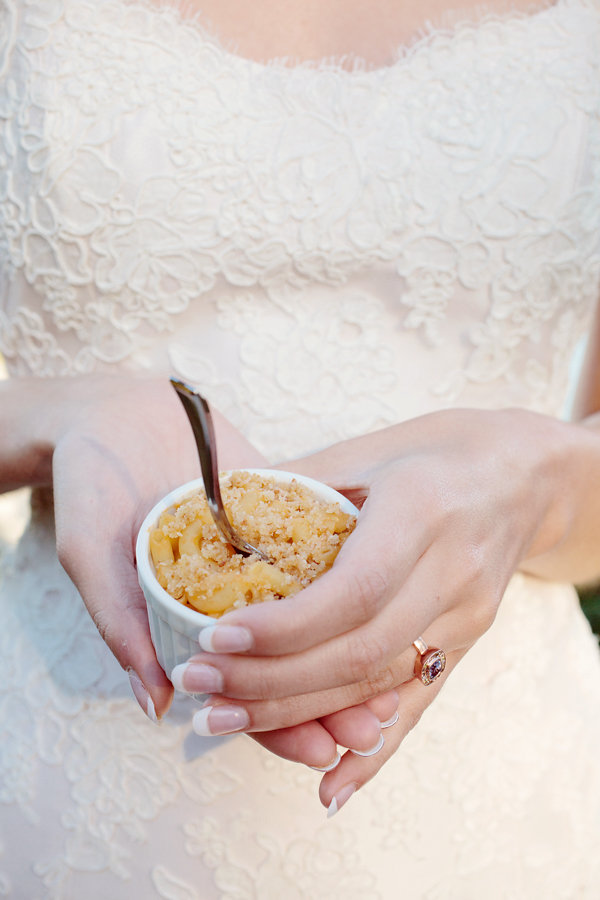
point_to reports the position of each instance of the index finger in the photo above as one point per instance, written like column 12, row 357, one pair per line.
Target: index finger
column 103, row 571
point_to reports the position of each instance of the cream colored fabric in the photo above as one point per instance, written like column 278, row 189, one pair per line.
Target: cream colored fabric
column 326, row 252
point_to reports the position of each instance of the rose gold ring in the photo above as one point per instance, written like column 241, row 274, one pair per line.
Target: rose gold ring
column 430, row 662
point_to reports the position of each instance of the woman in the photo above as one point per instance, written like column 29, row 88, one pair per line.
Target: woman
column 377, row 266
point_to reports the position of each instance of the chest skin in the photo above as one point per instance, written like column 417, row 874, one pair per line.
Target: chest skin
column 371, row 30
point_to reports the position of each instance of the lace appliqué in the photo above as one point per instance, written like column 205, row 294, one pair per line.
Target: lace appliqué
column 147, row 189
column 250, row 862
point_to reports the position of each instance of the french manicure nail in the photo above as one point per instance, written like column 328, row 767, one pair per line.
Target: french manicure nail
column 389, row 722
column 328, row 768
column 225, row 639
column 373, row 750
column 342, row 796
column 199, row 679
column 213, row 720
column 142, row 696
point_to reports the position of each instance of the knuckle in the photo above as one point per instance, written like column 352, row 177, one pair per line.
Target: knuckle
column 102, row 622
column 383, row 680
column 483, row 613
column 367, row 588
column 376, row 683
column 412, row 717
column 438, row 502
column 366, row 655
column 473, row 565
column 257, row 682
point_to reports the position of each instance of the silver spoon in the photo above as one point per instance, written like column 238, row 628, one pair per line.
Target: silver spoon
column 198, row 413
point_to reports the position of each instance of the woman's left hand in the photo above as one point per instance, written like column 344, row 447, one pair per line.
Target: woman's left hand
column 452, row 504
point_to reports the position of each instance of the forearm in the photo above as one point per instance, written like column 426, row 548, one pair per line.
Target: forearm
column 568, row 546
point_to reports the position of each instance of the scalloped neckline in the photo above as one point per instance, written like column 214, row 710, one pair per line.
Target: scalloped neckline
column 456, row 24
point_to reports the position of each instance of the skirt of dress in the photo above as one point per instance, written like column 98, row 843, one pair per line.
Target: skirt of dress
column 496, row 793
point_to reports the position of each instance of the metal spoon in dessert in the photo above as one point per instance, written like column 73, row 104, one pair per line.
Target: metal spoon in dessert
column 198, row 413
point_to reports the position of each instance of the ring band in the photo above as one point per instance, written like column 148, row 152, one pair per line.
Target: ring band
column 430, row 661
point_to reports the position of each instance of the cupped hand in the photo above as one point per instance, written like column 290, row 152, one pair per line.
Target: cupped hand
column 452, row 503
column 121, row 443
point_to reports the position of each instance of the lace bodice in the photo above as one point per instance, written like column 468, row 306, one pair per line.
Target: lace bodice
column 324, row 250
column 408, row 237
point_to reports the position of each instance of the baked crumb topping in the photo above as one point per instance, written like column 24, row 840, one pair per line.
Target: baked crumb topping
column 299, row 532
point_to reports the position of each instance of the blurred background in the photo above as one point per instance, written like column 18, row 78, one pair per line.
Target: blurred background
column 14, row 507
column 590, row 600
column 14, row 515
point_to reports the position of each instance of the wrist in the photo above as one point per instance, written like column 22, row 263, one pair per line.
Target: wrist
column 565, row 545
column 26, row 439
column 36, row 413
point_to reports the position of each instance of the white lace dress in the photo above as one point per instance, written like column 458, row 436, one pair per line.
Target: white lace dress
column 359, row 247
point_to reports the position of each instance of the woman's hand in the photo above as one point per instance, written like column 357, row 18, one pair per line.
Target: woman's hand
column 454, row 503
column 119, row 445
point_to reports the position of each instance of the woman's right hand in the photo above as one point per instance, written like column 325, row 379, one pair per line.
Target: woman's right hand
column 118, row 444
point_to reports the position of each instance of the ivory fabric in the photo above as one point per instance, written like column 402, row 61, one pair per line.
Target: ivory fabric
column 325, row 249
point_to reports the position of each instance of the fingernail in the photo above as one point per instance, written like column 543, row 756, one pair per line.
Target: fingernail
column 142, row 696
column 225, row 639
column 371, row 752
column 342, row 796
column 213, row 720
column 328, row 768
column 199, row 679
column 389, row 722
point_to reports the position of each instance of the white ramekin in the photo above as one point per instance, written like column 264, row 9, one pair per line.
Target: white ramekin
column 174, row 627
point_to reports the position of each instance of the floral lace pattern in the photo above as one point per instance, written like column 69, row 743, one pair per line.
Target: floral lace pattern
column 359, row 247
column 139, row 207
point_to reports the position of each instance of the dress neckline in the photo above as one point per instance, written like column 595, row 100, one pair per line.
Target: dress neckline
column 450, row 26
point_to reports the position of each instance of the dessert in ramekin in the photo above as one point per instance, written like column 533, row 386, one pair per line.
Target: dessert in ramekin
column 190, row 575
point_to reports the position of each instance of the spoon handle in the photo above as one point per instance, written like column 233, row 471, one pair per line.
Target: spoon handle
column 198, row 413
